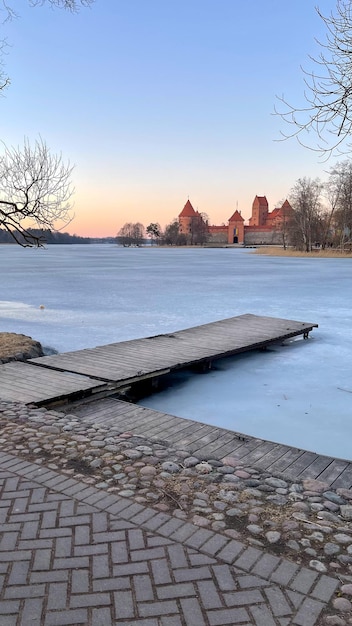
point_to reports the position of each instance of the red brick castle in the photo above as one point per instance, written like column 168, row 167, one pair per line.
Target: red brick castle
column 263, row 226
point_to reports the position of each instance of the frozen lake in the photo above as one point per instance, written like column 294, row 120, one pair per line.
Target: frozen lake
column 299, row 394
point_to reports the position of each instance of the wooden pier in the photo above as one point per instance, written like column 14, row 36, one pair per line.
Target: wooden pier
column 76, row 379
column 116, row 367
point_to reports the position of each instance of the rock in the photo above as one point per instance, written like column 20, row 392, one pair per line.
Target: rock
column 203, row 468
column 276, row 482
column 317, row 486
column 273, row 536
column 347, row 589
column 191, row 461
column 170, row 467
column 342, row 604
column 346, row 511
column 318, row 566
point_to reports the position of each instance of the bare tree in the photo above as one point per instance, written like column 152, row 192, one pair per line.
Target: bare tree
column 328, row 91
column 131, row 234
column 35, row 190
column 305, row 199
column 339, row 190
column 199, row 229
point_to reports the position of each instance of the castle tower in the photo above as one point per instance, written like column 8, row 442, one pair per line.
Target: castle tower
column 260, row 209
column 236, row 228
column 185, row 218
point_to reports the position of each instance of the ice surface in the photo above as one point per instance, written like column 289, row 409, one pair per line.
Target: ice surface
column 299, row 394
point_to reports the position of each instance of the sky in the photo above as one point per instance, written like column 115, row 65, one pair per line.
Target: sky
column 158, row 101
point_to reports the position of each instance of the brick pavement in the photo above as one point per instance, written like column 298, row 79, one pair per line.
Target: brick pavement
column 71, row 554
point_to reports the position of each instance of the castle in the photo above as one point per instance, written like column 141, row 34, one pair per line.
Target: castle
column 263, row 227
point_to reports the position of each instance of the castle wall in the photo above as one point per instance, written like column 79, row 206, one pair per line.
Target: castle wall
column 257, row 236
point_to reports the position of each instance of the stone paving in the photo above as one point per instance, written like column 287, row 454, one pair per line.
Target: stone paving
column 167, row 540
column 73, row 554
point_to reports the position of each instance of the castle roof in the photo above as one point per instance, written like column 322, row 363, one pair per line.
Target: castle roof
column 188, row 210
column 236, row 217
column 262, row 201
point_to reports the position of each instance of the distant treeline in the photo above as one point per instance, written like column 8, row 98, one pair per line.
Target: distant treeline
column 50, row 237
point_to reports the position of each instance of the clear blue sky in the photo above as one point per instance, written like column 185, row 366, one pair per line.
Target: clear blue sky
column 156, row 101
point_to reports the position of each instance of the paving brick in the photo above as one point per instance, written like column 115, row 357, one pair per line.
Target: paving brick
column 168, row 592
column 100, row 568
column 161, row 571
column 192, row 612
column 147, row 554
column 119, row 552
column 304, row 580
column 123, row 604
column 170, row 527
column 158, row 608
column 262, row 615
column 224, row 577
column 111, row 584
column 196, row 573
column 130, row 511
column 90, row 599
column 30, row 530
column 215, row 544
column 42, row 560
column 285, row 572
column 57, row 596
column 16, row 592
column 99, row 522
column 102, row 617
column 230, row 551
column 228, row 616
column 199, row 538
column 209, row 595
column 19, row 573
column 130, row 568
column 324, row 588
column 241, row 598
column 8, row 607
column 248, row 558
column 100, row 548
column 308, row 612
column 135, row 539
column 277, row 601
column 9, row 540
column 32, row 611
column 245, row 582
column 266, row 565
column 143, row 516
column 82, row 535
column 71, row 562
column 184, row 532
column 143, row 588
column 177, row 556
column 80, row 581
column 155, row 521
column 66, row 618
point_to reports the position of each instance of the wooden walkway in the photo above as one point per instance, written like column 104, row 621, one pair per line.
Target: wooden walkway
column 211, row 442
column 119, row 365
column 129, row 361
column 23, row 382
column 95, row 373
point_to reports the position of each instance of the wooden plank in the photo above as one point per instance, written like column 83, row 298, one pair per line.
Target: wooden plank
column 291, row 455
column 333, row 471
column 295, row 469
column 314, row 469
column 345, row 479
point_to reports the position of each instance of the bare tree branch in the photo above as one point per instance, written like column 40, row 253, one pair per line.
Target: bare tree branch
column 35, row 190
column 327, row 114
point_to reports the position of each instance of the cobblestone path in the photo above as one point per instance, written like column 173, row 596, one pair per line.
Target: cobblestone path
column 71, row 554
